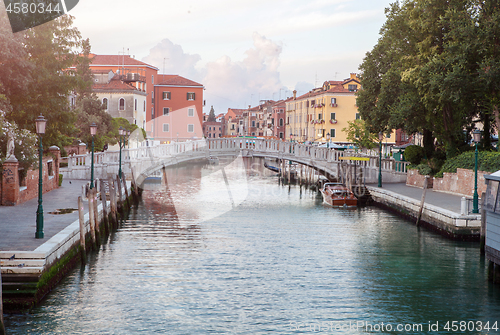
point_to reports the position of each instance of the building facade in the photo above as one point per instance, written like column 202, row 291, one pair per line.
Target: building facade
column 178, row 109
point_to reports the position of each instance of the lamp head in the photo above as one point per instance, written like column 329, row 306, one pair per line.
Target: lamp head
column 121, row 131
column 40, row 125
column 380, row 136
column 93, row 129
column 477, row 135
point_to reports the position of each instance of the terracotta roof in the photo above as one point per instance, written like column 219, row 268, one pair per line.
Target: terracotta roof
column 175, row 80
column 115, row 84
column 117, row 60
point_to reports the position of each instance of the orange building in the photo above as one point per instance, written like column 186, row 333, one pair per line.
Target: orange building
column 178, row 109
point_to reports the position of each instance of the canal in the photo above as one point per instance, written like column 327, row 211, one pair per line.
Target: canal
column 226, row 249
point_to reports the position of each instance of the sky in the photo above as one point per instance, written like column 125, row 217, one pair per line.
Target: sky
column 241, row 51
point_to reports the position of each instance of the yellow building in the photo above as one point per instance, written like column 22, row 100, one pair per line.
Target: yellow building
column 323, row 112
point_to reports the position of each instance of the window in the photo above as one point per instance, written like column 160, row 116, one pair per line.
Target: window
column 253, row 123
column 358, row 117
column 332, row 133
column 332, row 116
column 281, row 122
column 153, row 97
column 166, row 95
column 122, row 104
column 152, row 79
column 144, row 106
column 353, row 87
column 165, row 127
column 281, row 134
column 190, row 96
column 166, row 110
column 135, row 104
column 334, row 101
column 320, row 116
column 105, row 103
column 190, row 128
column 190, row 111
column 152, row 112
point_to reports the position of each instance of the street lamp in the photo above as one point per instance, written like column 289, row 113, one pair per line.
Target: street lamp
column 328, row 140
column 475, row 205
column 40, row 130
column 121, row 132
column 93, row 131
column 380, row 137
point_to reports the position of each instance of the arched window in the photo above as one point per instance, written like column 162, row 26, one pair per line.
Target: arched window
column 122, row 104
column 105, row 103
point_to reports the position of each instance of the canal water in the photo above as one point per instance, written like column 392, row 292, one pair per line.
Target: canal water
column 226, row 249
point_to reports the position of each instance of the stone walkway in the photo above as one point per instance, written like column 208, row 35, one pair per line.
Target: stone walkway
column 18, row 223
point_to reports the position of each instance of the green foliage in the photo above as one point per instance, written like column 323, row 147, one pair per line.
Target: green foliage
column 25, row 144
column 487, row 161
column 414, row 154
column 358, row 133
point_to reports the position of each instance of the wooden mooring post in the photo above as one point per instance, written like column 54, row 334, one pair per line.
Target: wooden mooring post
column 91, row 219
column 2, row 327
column 81, row 219
column 120, row 197
column 112, row 201
column 96, row 215
column 104, row 207
column 422, row 201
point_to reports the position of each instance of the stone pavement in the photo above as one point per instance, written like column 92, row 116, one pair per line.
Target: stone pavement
column 447, row 201
column 18, row 223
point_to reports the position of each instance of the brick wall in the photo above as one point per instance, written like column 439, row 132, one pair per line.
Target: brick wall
column 413, row 178
column 461, row 182
column 13, row 194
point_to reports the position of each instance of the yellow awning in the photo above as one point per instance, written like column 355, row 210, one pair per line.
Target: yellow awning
column 355, row 158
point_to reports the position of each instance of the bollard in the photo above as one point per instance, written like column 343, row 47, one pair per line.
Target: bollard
column 463, row 206
column 82, row 230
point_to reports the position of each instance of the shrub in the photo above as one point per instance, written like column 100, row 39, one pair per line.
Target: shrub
column 424, row 169
column 414, row 154
column 487, row 161
column 60, row 179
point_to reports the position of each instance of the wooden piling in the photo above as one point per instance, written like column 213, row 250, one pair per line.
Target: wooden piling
column 422, row 200
column 2, row 327
column 104, row 207
column 126, row 190
column 112, row 210
column 134, row 185
column 120, row 197
column 96, row 214
column 81, row 219
column 92, row 218
column 482, row 236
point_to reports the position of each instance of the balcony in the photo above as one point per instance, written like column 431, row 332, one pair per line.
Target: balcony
column 332, row 121
column 333, row 105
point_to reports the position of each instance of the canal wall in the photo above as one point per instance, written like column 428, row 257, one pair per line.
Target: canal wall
column 448, row 223
column 28, row 276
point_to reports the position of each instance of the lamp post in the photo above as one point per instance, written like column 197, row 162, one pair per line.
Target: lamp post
column 121, row 132
column 475, row 205
column 328, row 140
column 40, row 130
column 93, row 131
column 380, row 137
column 128, row 139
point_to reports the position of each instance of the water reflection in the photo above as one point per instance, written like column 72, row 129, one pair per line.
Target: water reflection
column 277, row 260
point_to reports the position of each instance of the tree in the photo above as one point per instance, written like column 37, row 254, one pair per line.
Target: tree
column 89, row 109
column 422, row 74
column 359, row 134
column 52, row 50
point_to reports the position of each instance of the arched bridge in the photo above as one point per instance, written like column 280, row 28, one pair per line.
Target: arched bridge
column 145, row 161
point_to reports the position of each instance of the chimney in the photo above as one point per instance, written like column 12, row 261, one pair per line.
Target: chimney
column 294, row 94
column 353, row 76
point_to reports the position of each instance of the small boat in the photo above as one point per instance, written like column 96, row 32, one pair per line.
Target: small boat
column 338, row 195
column 272, row 168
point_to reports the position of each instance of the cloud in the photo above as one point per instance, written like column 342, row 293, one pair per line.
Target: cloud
column 233, row 84
column 170, row 58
